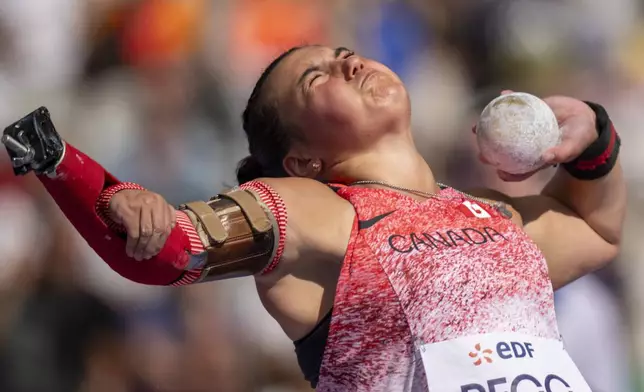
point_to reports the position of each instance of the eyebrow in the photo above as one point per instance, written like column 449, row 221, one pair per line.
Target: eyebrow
column 340, row 50
column 313, row 68
column 308, row 71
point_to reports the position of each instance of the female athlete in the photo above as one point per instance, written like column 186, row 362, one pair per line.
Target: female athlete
column 385, row 279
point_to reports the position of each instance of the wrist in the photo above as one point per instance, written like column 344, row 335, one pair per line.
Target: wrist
column 601, row 156
column 105, row 199
column 592, row 114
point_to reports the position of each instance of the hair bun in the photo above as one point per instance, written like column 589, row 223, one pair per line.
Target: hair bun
column 249, row 169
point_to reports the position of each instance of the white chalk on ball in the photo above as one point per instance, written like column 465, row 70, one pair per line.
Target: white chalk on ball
column 514, row 131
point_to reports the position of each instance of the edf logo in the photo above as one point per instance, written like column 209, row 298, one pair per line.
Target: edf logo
column 505, row 350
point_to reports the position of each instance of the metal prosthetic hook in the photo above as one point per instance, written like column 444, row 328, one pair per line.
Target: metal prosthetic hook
column 19, row 147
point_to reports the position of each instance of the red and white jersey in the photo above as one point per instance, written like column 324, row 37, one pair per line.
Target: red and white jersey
column 417, row 273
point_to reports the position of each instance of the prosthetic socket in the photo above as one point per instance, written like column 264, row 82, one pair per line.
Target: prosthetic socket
column 238, row 233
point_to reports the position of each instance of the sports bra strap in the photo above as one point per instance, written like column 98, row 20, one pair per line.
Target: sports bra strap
column 335, row 186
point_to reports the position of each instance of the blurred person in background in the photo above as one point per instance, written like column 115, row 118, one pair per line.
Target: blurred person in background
column 58, row 337
column 146, row 58
column 20, row 251
column 32, row 37
column 590, row 310
column 257, row 31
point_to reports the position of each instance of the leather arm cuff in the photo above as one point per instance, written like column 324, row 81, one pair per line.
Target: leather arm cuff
column 239, row 234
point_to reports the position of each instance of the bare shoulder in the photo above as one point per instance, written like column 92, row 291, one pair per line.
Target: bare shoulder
column 318, row 219
column 304, row 191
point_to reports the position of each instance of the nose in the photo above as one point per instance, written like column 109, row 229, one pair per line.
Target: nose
column 351, row 66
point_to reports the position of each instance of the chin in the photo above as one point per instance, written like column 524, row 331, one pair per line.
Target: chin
column 394, row 103
column 393, row 94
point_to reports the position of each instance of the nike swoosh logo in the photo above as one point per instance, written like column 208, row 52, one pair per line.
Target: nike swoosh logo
column 365, row 224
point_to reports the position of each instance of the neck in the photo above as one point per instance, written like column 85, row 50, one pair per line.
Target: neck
column 395, row 164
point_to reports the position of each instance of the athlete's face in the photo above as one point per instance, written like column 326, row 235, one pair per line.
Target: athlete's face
column 339, row 103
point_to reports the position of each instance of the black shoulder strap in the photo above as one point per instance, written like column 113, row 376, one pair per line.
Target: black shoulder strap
column 334, row 187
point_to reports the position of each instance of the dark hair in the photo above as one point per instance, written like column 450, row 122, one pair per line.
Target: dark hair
column 269, row 139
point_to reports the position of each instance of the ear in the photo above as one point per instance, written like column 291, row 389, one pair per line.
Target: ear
column 297, row 166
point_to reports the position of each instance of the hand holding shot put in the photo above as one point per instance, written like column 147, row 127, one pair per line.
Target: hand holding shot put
column 520, row 134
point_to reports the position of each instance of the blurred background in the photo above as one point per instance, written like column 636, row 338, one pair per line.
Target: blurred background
column 154, row 89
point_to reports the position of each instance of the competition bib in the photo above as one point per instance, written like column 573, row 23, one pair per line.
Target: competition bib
column 501, row 362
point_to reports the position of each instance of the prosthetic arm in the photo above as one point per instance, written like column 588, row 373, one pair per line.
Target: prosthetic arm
column 237, row 233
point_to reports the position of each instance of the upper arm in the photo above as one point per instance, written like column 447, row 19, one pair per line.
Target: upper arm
column 571, row 247
column 319, row 220
column 257, row 228
column 300, row 291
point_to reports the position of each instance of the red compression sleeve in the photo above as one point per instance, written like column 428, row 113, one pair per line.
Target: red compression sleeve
column 76, row 188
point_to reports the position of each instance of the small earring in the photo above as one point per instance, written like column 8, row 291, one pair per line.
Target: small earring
column 316, row 166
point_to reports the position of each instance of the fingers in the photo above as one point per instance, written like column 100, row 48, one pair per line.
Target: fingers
column 161, row 228
column 561, row 154
column 550, row 156
column 483, row 160
column 509, row 177
column 173, row 216
column 148, row 221
column 565, row 152
column 132, row 227
column 146, row 230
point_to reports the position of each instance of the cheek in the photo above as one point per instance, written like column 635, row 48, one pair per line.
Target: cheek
column 384, row 69
column 332, row 112
column 335, row 102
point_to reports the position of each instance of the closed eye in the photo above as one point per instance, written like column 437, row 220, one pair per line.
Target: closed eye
column 313, row 79
column 340, row 52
